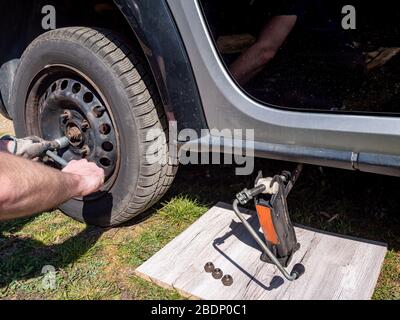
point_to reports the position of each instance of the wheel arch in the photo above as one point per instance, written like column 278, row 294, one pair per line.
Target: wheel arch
column 156, row 31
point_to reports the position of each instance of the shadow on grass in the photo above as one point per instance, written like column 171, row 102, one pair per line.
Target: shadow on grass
column 15, row 225
column 24, row 258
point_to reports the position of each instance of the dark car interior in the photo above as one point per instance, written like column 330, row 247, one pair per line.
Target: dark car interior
column 321, row 65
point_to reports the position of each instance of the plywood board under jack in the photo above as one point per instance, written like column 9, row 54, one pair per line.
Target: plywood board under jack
column 337, row 267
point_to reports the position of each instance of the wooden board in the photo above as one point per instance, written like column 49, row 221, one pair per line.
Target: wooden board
column 336, row 267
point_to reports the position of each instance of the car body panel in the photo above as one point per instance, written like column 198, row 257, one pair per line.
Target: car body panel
column 198, row 93
column 226, row 106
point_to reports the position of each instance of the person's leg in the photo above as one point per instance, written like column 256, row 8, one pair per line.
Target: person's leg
column 271, row 38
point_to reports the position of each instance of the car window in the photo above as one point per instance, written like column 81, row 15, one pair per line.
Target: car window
column 330, row 55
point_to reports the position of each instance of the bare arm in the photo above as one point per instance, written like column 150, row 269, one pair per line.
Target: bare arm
column 272, row 37
column 27, row 187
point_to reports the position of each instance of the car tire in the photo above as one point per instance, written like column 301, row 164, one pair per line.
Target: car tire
column 122, row 79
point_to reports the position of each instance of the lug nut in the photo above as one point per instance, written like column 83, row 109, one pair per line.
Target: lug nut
column 84, row 151
column 227, row 280
column 209, row 267
column 217, row 274
column 66, row 115
column 85, row 125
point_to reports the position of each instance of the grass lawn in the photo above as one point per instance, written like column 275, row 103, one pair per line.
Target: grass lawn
column 94, row 263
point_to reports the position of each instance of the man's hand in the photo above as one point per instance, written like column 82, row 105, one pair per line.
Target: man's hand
column 30, row 147
column 28, row 187
column 91, row 177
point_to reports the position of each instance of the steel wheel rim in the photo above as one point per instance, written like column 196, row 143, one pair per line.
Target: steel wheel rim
column 64, row 101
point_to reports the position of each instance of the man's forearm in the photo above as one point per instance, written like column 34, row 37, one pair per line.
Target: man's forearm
column 27, row 187
column 257, row 57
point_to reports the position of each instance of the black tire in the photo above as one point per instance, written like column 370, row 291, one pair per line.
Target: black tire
column 120, row 71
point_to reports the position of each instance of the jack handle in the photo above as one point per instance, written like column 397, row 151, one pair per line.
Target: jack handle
column 294, row 275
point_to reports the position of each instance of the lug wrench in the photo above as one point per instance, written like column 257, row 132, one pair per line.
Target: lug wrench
column 61, row 144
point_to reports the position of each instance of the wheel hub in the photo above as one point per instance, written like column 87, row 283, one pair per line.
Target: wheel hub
column 71, row 108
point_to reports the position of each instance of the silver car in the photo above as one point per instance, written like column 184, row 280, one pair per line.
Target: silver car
column 127, row 81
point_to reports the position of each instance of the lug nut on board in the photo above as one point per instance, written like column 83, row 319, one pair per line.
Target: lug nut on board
column 227, row 280
column 217, row 274
column 209, row 267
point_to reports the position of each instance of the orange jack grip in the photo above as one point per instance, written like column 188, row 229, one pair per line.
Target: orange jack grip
column 267, row 225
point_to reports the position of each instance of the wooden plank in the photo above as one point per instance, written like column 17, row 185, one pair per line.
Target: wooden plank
column 336, row 267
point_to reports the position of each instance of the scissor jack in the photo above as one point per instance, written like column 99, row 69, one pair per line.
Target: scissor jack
column 270, row 197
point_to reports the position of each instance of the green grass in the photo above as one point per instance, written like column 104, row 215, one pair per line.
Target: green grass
column 389, row 282
column 93, row 263
column 171, row 220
